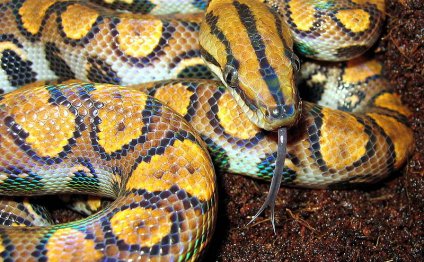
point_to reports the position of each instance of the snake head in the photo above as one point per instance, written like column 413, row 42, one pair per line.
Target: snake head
column 253, row 57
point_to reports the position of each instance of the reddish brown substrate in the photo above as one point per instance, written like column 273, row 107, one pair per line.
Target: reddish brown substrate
column 373, row 223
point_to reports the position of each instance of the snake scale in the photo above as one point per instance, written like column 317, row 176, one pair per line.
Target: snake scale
column 95, row 136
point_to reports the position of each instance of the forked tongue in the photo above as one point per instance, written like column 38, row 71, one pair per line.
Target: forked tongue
column 276, row 178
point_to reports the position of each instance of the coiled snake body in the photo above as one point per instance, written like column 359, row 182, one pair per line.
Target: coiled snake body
column 119, row 142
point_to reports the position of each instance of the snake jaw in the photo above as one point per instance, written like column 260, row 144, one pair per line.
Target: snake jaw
column 276, row 178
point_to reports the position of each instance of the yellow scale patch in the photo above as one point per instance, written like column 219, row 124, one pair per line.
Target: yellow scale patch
column 1, row 248
column 141, row 226
column 194, row 220
column 94, row 203
column 118, row 129
column 196, row 61
column 123, row 1
column 356, row 20
column 401, row 136
column 78, row 28
column 49, row 127
column 68, row 244
column 33, row 11
column 15, row 224
column 342, row 140
column 233, row 120
column 359, row 69
column 139, row 35
column 168, row 94
column 392, row 102
column 302, row 15
column 184, row 164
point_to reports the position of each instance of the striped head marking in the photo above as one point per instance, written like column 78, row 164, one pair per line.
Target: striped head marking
column 249, row 47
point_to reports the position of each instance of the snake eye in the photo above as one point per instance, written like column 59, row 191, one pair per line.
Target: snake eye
column 230, row 76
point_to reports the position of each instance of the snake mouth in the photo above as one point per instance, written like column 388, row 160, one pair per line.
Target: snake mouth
column 261, row 117
column 266, row 117
column 257, row 116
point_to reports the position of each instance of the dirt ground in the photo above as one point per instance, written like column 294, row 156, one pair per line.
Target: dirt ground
column 382, row 222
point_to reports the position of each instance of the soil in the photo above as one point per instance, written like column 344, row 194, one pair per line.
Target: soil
column 381, row 222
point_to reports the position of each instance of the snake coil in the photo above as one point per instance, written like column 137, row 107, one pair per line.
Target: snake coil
column 95, row 136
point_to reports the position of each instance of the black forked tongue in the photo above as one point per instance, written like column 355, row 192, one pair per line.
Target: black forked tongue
column 276, row 178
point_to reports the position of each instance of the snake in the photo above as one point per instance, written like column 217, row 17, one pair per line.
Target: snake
column 87, row 109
